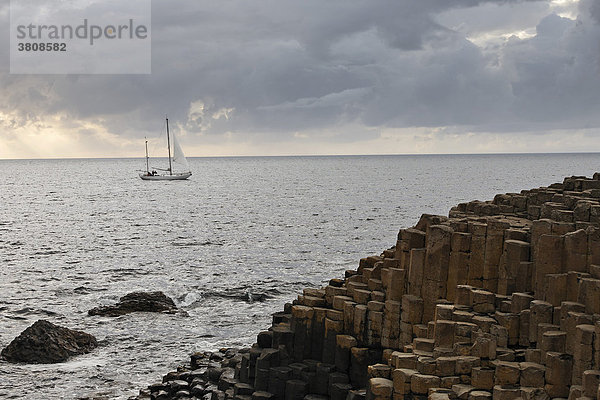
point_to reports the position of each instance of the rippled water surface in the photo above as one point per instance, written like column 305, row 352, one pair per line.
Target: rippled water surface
column 230, row 246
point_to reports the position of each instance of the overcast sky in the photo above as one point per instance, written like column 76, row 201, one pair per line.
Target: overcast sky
column 278, row 77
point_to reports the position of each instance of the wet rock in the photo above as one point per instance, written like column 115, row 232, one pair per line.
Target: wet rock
column 199, row 360
column 44, row 342
column 218, row 395
column 178, row 385
column 172, row 376
column 214, row 374
column 197, row 374
column 198, row 390
column 137, row 301
column 162, row 395
column 182, row 394
column 157, row 387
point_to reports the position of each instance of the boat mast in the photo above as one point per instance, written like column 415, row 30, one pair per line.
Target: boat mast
column 169, row 148
column 147, row 165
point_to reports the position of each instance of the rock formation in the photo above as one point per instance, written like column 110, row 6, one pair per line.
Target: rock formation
column 499, row 300
column 44, row 342
column 137, row 301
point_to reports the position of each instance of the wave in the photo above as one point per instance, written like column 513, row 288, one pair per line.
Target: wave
column 251, row 292
column 196, row 243
column 193, row 299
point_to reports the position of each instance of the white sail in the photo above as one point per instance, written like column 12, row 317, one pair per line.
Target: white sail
column 178, row 156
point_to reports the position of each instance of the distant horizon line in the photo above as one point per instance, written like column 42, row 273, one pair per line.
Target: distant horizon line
column 309, row 155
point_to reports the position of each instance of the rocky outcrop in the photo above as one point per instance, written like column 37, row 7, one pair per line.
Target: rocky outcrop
column 44, row 343
column 137, row 301
column 501, row 299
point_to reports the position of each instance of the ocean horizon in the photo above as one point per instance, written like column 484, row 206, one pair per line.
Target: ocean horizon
column 316, row 155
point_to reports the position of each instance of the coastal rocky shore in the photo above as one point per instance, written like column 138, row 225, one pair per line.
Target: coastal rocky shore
column 137, row 302
column 46, row 343
column 501, row 299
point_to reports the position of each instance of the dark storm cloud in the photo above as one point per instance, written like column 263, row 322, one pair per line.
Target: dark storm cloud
column 279, row 67
column 593, row 6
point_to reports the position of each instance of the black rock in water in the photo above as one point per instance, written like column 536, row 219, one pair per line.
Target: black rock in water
column 137, row 301
column 44, row 342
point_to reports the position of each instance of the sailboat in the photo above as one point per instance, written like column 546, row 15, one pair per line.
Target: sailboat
column 168, row 174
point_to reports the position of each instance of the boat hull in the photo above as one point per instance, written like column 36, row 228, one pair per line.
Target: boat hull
column 175, row 177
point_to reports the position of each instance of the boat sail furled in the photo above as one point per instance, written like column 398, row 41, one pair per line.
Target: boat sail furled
column 176, row 157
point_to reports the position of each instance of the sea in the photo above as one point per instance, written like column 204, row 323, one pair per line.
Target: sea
column 231, row 245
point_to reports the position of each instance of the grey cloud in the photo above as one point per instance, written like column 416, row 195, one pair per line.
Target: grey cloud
column 593, row 7
column 288, row 66
column 556, row 74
